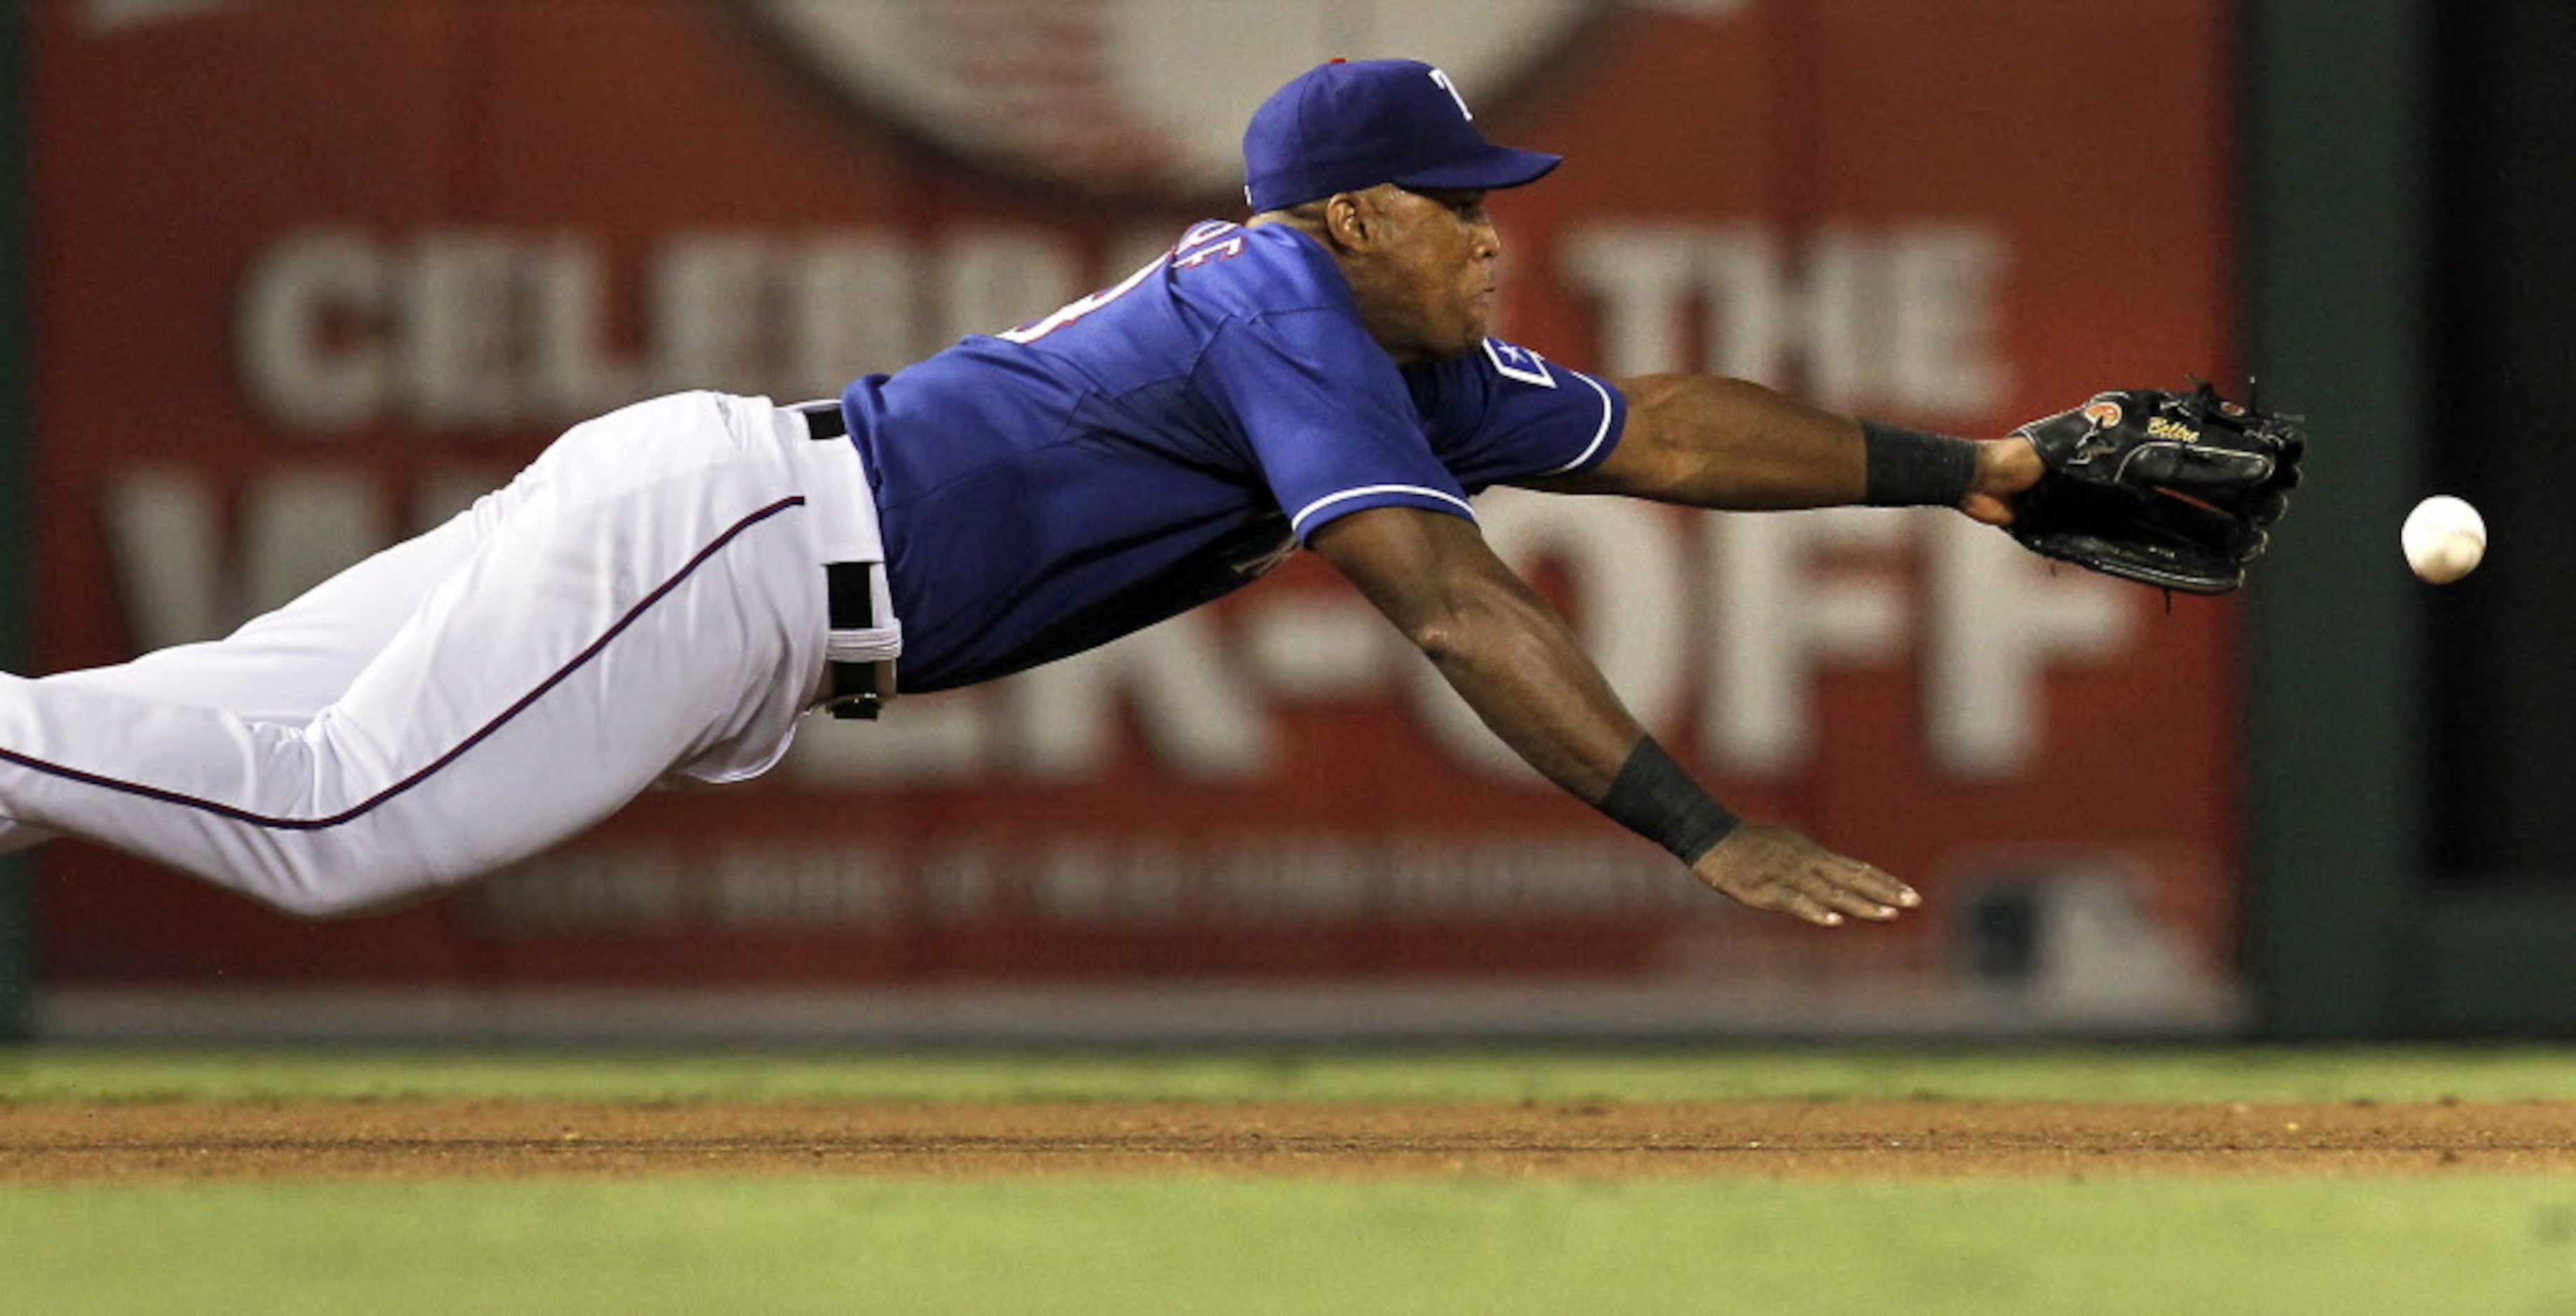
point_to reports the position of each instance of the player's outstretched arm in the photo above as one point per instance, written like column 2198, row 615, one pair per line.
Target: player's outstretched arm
column 1733, row 445
column 1514, row 660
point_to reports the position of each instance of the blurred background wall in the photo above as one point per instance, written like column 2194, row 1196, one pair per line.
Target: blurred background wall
column 299, row 278
column 2409, row 876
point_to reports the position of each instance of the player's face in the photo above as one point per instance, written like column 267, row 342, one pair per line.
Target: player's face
column 1441, row 257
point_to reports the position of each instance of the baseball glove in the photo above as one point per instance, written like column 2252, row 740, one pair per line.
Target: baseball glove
column 2176, row 490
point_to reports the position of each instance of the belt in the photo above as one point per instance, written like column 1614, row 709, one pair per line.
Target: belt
column 850, row 689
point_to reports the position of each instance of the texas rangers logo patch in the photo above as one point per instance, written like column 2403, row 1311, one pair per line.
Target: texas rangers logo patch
column 1513, row 361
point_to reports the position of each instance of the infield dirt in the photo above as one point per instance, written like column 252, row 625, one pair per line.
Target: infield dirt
column 51, row 1142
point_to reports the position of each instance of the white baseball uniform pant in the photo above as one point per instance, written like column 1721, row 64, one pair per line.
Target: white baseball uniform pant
column 644, row 603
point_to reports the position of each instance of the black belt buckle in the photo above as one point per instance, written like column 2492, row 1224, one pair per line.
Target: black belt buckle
column 852, row 690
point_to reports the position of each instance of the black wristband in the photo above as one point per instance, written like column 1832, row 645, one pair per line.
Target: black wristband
column 1654, row 798
column 1909, row 468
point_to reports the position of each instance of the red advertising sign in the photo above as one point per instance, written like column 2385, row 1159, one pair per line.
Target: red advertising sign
column 309, row 276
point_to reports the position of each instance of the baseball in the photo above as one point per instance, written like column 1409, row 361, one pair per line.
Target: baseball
column 2445, row 538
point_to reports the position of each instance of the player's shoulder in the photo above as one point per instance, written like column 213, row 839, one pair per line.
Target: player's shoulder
column 1212, row 240
column 1253, row 270
column 1503, row 388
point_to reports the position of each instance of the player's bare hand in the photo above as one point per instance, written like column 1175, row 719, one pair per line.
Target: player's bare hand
column 2006, row 469
column 1773, row 868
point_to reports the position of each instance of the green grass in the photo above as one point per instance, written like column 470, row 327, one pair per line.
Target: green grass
column 2097, row 1074
column 1187, row 1245
column 2432, row 1243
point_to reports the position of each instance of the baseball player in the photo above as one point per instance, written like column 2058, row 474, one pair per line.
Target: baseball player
column 668, row 590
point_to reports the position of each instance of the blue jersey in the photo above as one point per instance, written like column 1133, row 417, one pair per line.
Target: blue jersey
column 1158, row 444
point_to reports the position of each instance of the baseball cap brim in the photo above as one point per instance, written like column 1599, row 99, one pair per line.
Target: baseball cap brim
column 1494, row 167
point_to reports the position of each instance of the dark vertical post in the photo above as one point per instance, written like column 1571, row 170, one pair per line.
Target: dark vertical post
column 2335, row 173
column 17, row 438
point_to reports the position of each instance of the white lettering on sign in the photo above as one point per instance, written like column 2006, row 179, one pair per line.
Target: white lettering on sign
column 1792, row 615
column 2007, row 621
column 483, row 331
column 1901, row 319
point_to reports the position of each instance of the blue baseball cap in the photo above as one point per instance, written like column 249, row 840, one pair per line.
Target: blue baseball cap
column 1344, row 126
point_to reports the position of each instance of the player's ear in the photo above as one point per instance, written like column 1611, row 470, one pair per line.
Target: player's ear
column 1347, row 217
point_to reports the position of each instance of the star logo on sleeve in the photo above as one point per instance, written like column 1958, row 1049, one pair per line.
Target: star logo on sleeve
column 1512, row 361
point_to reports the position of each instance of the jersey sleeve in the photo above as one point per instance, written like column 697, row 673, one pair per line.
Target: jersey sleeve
column 1328, row 417
column 1504, row 414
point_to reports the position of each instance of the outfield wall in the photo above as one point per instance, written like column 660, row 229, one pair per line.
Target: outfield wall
column 314, row 274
